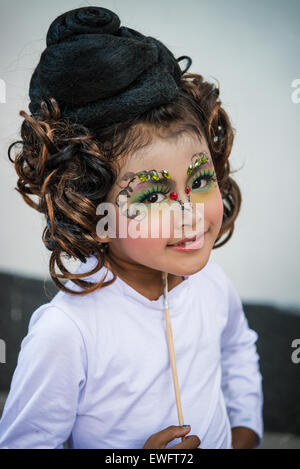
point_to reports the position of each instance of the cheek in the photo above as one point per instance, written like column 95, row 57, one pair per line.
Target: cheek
column 213, row 204
column 140, row 248
column 216, row 209
column 154, row 223
column 137, row 238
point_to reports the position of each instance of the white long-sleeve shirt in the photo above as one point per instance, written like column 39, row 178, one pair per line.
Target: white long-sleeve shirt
column 95, row 369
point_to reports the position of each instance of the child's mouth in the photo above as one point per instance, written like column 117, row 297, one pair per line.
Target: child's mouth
column 189, row 244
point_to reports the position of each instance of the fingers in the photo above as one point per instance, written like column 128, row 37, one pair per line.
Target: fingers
column 160, row 439
column 189, row 442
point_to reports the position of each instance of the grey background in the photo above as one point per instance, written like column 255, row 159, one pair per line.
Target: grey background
column 252, row 49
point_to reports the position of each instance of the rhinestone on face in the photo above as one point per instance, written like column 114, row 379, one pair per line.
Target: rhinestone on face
column 187, row 189
column 204, row 159
column 197, row 162
column 154, row 175
column 190, row 169
column 173, row 195
column 143, row 177
column 165, row 174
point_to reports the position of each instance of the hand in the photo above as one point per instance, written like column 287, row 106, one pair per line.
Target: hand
column 243, row 438
column 160, row 439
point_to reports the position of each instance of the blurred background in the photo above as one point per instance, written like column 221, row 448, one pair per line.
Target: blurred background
column 251, row 49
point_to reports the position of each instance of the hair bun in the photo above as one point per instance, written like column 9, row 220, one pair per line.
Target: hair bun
column 87, row 20
column 101, row 73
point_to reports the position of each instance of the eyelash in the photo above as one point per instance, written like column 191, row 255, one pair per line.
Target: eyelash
column 208, row 176
column 154, row 190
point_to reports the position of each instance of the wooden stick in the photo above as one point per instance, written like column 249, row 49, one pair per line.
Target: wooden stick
column 171, row 349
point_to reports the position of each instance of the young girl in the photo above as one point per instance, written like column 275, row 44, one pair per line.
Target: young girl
column 115, row 120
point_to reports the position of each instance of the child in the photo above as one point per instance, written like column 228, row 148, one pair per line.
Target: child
column 115, row 119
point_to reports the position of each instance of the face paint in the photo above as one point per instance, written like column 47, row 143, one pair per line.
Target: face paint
column 198, row 160
column 151, row 189
column 202, row 181
column 154, row 189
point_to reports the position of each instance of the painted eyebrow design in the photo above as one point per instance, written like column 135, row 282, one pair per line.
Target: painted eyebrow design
column 169, row 182
column 132, row 176
column 166, row 182
column 200, row 167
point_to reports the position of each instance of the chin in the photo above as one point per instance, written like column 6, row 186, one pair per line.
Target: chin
column 189, row 270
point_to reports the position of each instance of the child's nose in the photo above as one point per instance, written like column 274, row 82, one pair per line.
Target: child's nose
column 190, row 214
column 184, row 200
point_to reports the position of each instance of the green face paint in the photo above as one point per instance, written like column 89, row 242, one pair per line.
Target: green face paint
column 155, row 187
column 202, row 185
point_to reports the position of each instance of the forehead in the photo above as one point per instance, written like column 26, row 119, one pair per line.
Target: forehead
column 164, row 153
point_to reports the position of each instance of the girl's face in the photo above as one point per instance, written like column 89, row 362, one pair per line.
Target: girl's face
column 184, row 177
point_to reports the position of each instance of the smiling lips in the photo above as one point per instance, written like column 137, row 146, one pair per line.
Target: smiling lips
column 194, row 242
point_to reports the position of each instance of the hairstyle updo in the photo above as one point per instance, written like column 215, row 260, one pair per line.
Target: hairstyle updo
column 82, row 124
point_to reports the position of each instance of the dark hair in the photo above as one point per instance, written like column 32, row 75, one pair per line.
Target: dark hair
column 71, row 169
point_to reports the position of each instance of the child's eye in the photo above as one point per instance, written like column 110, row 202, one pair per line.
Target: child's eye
column 154, row 195
column 203, row 181
column 154, row 198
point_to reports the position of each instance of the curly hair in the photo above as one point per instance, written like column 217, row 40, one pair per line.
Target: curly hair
column 71, row 169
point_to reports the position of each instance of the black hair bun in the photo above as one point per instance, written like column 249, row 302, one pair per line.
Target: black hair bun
column 88, row 20
column 101, row 73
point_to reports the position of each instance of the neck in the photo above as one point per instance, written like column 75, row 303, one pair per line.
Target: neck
column 145, row 280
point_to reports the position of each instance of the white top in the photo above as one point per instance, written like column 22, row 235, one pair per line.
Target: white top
column 95, row 370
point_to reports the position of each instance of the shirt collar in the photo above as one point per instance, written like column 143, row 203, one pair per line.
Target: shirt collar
column 177, row 297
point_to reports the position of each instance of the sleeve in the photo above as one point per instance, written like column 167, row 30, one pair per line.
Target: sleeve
column 241, row 377
column 41, row 406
